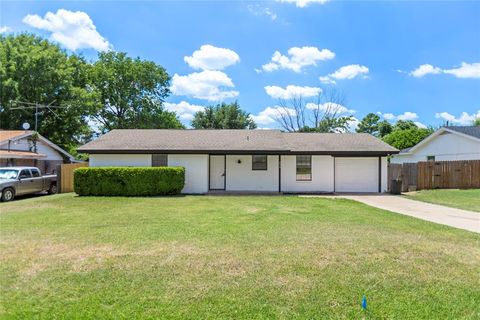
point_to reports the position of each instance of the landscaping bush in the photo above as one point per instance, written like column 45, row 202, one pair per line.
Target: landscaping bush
column 128, row 181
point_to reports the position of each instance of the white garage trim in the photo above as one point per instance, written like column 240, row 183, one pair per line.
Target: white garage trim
column 357, row 174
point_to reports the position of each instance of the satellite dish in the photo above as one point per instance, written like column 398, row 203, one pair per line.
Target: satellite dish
column 26, row 126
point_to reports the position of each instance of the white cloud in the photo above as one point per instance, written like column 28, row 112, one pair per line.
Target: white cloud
column 420, row 125
column 329, row 106
column 184, row 109
column 303, row 3
column 407, row 115
column 388, row 116
column 466, row 70
column 297, row 59
column 4, row 29
column 206, row 85
column 212, row 58
column 346, row 72
column 269, row 115
column 292, row 91
column 74, row 30
column 463, row 119
column 259, row 10
column 425, row 69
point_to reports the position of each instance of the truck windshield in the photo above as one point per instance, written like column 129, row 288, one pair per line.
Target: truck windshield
column 8, row 174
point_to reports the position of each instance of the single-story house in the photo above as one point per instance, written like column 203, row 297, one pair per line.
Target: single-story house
column 19, row 148
column 252, row 160
column 446, row 144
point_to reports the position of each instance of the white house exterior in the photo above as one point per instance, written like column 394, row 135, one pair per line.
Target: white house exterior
column 445, row 144
column 17, row 149
column 252, row 160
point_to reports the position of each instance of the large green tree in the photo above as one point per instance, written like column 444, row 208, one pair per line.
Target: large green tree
column 384, row 128
column 130, row 93
column 35, row 71
column 369, row 124
column 223, row 116
column 406, row 138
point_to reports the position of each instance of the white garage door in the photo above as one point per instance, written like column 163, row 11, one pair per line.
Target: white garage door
column 356, row 174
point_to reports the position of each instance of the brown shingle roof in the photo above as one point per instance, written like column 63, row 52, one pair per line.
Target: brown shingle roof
column 6, row 135
column 335, row 142
column 229, row 141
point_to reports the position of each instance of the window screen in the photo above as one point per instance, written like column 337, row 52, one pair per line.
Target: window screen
column 159, row 160
column 430, row 158
column 259, row 162
column 304, row 168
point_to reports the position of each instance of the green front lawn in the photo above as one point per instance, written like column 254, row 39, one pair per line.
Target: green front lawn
column 244, row 257
column 468, row 199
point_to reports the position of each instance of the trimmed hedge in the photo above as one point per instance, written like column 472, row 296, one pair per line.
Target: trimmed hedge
column 128, row 181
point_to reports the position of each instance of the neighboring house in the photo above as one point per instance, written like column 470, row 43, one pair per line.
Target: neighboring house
column 447, row 143
column 17, row 148
column 252, row 160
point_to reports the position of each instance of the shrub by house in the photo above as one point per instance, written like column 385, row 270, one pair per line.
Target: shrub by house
column 129, row 181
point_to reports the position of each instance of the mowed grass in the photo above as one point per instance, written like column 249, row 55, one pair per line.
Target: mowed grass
column 204, row 257
column 468, row 199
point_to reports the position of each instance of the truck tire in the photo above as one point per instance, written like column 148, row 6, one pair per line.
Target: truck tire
column 52, row 189
column 8, row 194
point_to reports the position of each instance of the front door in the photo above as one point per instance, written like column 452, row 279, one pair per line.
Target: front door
column 217, row 172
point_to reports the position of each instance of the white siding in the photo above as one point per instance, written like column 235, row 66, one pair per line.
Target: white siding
column 241, row 177
column 384, row 174
column 447, row 146
column 196, row 171
column 120, row 160
column 43, row 148
column 322, row 175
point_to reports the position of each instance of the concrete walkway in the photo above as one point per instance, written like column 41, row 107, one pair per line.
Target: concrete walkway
column 458, row 218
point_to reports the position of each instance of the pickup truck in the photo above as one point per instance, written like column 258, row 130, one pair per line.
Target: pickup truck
column 16, row 181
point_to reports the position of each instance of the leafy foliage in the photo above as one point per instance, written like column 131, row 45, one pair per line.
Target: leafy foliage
column 369, row 124
column 402, row 139
column 126, row 181
column 223, row 116
column 476, row 122
column 384, row 128
column 131, row 93
column 35, row 70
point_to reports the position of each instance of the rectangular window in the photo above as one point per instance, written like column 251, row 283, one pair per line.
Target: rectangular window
column 430, row 158
column 159, row 160
column 25, row 174
column 259, row 162
column 35, row 173
column 304, row 168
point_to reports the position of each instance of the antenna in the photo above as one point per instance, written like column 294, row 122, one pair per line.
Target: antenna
column 30, row 105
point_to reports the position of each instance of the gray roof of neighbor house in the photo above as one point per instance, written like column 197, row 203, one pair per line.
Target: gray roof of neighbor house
column 235, row 141
column 473, row 131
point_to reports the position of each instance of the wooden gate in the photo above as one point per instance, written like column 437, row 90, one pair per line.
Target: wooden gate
column 65, row 176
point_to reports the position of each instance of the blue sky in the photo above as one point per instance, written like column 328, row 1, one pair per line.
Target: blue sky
column 403, row 60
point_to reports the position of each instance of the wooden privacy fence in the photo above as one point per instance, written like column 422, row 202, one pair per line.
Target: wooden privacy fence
column 65, row 176
column 436, row 174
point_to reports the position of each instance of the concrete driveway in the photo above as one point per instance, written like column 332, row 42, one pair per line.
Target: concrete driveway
column 458, row 218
